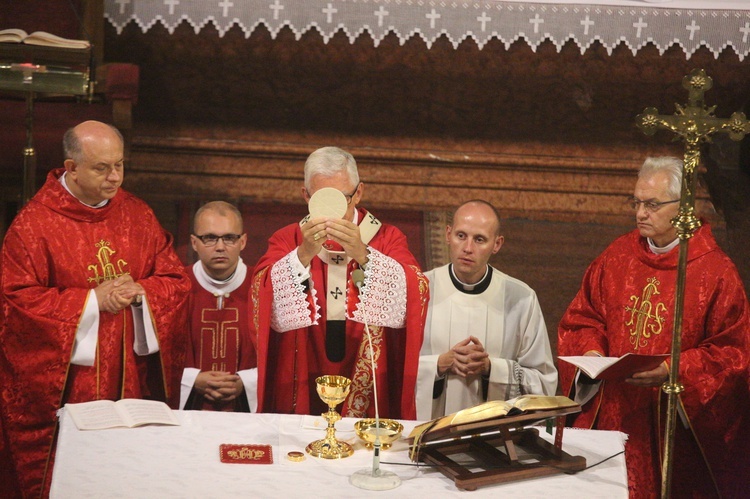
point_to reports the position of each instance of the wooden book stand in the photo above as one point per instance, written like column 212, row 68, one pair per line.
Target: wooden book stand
column 500, row 450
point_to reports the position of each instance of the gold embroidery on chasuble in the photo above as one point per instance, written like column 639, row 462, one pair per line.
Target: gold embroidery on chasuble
column 124, row 347
column 361, row 388
column 108, row 268
column 255, row 298
column 646, row 314
column 424, row 286
column 219, row 331
column 105, row 264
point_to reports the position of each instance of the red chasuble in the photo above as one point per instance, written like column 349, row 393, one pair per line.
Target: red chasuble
column 220, row 338
column 626, row 304
column 289, row 362
column 54, row 253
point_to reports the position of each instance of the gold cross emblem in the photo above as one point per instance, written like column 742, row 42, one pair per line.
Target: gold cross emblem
column 108, row 269
column 646, row 317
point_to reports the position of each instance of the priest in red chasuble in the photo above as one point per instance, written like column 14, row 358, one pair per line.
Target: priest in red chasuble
column 626, row 305
column 310, row 315
column 221, row 372
column 93, row 299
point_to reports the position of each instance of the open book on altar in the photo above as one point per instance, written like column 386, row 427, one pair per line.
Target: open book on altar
column 102, row 414
column 15, row 35
column 615, row 368
column 536, row 407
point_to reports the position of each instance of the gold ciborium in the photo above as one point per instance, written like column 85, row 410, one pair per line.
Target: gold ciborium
column 332, row 390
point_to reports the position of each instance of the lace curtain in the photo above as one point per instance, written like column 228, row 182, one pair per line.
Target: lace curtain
column 717, row 25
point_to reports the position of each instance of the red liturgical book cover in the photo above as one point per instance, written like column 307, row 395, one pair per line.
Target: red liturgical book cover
column 246, row 453
column 616, row 368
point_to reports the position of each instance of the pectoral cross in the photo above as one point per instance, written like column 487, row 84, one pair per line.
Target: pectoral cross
column 693, row 124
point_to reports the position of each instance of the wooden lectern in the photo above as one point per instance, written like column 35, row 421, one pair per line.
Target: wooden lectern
column 497, row 450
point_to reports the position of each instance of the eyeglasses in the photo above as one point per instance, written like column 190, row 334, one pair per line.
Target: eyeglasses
column 649, row 206
column 212, row 239
column 350, row 196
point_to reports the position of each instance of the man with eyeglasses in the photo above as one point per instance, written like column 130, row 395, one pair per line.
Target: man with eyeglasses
column 93, row 299
column 310, row 314
column 626, row 305
column 221, row 367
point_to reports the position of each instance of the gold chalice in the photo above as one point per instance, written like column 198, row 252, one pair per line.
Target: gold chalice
column 332, row 390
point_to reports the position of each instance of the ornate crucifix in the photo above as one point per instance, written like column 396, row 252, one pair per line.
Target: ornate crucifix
column 693, row 124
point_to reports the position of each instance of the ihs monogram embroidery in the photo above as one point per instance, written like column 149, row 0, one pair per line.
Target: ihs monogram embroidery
column 646, row 317
column 108, row 269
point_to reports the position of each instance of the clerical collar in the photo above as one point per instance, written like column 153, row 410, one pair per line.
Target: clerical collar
column 65, row 185
column 472, row 289
column 217, row 287
column 666, row 249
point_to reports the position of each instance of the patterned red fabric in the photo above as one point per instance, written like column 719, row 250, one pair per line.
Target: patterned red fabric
column 56, row 250
column 626, row 304
column 289, row 362
column 234, row 351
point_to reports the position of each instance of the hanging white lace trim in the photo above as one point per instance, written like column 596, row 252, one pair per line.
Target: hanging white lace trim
column 690, row 24
column 383, row 298
column 290, row 308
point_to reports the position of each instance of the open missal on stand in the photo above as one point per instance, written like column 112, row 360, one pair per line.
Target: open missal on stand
column 615, row 368
column 538, row 405
column 102, row 414
column 15, row 35
column 497, row 442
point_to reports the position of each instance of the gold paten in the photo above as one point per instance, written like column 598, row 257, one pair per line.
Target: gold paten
column 693, row 124
column 332, row 390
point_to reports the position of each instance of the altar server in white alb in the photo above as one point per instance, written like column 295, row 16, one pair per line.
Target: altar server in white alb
column 485, row 336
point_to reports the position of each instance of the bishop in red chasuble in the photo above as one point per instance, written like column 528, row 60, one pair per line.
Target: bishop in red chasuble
column 292, row 329
column 56, row 344
column 311, row 314
column 626, row 304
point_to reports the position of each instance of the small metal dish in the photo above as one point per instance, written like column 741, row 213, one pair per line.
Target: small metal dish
column 390, row 431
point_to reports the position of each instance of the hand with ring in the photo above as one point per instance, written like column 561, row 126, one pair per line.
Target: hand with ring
column 313, row 236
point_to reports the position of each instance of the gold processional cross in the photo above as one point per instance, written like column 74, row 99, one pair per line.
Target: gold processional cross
column 693, row 124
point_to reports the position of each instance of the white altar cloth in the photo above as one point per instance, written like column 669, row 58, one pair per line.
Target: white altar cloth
column 183, row 461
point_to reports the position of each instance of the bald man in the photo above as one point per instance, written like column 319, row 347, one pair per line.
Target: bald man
column 93, row 298
column 221, row 369
column 485, row 336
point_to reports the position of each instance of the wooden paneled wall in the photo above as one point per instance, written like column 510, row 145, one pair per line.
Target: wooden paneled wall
column 548, row 137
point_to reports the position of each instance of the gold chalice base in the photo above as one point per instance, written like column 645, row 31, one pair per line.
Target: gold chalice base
column 329, row 449
column 389, row 431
